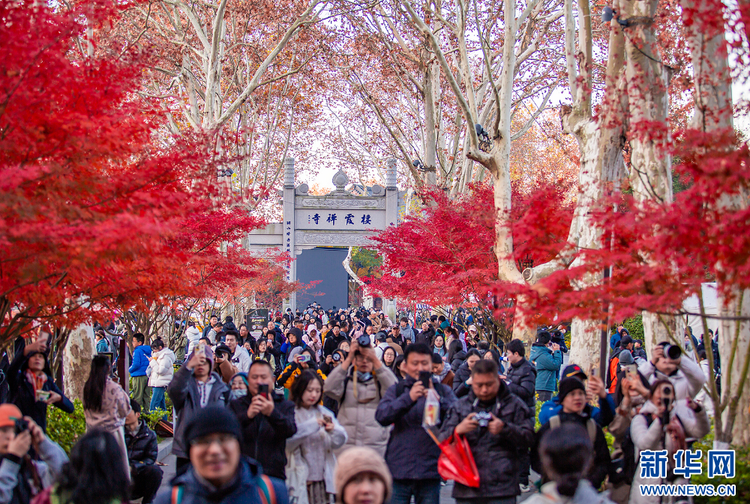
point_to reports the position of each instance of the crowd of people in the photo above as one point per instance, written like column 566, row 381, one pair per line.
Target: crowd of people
column 349, row 406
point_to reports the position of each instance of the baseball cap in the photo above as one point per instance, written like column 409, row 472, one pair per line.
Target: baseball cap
column 9, row 413
column 573, row 370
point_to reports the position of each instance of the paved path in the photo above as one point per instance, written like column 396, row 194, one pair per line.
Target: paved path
column 166, row 446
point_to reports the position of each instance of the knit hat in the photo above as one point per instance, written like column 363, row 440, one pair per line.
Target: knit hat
column 626, row 358
column 568, row 385
column 9, row 413
column 213, row 420
column 355, row 461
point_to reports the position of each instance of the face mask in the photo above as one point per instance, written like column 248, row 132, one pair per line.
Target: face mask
column 363, row 377
column 236, row 394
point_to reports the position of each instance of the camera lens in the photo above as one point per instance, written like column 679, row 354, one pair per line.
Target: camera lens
column 667, row 391
column 673, row 352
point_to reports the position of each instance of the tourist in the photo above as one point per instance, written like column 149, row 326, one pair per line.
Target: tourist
column 362, row 477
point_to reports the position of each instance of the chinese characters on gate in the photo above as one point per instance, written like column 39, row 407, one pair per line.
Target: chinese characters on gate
column 344, row 220
column 687, row 463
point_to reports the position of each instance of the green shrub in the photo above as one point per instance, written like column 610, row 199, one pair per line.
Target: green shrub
column 152, row 417
column 741, row 474
column 634, row 325
column 66, row 428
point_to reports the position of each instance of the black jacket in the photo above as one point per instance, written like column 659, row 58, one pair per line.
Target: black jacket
column 425, row 336
column 264, row 437
column 459, row 380
column 599, row 467
column 143, row 448
column 22, row 392
column 458, row 359
column 411, row 452
column 522, row 377
column 497, row 456
column 332, row 343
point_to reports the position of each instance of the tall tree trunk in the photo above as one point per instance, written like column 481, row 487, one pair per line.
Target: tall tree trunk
column 77, row 360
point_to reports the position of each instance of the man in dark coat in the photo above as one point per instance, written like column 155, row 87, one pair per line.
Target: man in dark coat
column 411, row 454
column 462, row 378
column 267, row 421
column 143, row 450
column 498, row 427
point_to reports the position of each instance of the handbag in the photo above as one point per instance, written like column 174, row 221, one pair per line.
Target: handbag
column 456, row 462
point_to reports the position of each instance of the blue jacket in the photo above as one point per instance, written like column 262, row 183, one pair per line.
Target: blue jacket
column 547, row 365
column 603, row 416
column 411, row 452
column 244, row 490
column 140, row 361
column 614, row 339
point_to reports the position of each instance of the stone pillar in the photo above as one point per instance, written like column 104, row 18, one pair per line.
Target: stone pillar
column 391, row 194
column 391, row 219
column 289, row 226
column 77, row 357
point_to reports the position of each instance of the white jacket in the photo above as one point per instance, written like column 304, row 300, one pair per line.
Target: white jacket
column 703, row 396
column 298, row 454
column 687, row 380
column 241, row 359
column 645, row 437
column 193, row 336
column 162, row 369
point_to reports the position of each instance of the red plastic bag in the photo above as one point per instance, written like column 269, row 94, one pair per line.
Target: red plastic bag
column 456, row 462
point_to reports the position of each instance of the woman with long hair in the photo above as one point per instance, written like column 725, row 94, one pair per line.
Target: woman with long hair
column 389, row 357
column 438, row 346
column 105, row 403
column 93, row 475
column 311, row 461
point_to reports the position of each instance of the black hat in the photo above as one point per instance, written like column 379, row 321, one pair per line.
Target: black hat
column 213, row 420
column 573, row 370
column 222, row 348
column 625, row 341
column 568, row 385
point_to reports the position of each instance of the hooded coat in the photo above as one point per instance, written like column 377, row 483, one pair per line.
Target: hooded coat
column 547, row 365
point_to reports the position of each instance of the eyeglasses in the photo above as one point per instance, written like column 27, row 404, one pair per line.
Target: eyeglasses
column 221, row 439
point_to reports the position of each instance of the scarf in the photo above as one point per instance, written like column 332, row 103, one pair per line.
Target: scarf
column 36, row 381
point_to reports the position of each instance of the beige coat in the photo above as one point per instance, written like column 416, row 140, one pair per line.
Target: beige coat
column 357, row 413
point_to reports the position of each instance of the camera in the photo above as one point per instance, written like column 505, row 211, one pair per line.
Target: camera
column 21, row 425
column 672, row 351
column 336, row 357
column 303, row 357
column 364, row 341
column 483, row 418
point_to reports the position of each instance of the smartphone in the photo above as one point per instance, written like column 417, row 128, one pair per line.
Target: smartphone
column 263, row 390
column 327, row 419
column 425, row 377
column 303, row 358
column 595, row 371
column 201, row 349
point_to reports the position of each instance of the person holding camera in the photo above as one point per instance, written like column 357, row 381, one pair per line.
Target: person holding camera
column 664, row 423
column 358, row 384
column 547, row 358
column 411, row 453
column 266, row 419
column 498, row 427
column 20, row 478
column 667, row 363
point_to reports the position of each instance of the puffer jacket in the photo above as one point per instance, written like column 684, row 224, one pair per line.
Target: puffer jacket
column 649, row 437
column 522, row 377
column 686, row 379
column 193, row 335
column 184, row 394
column 142, row 446
column 162, row 369
column 243, row 490
column 140, row 362
column 411, row 452
column 547, row 365
column 497, row 456
column 457, row 360
column 357, row 412
column 585, row 494
column 463, row 373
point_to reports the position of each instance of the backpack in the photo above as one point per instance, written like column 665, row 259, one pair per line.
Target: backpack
column 266, row 491
column 614, row 368
column 554, row 423
column 623, row 468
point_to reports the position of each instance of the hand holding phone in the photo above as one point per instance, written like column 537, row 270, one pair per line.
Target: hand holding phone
column 425, row 377
column 263, row 390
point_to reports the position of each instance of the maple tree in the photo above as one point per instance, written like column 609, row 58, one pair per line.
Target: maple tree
column 100, row 211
